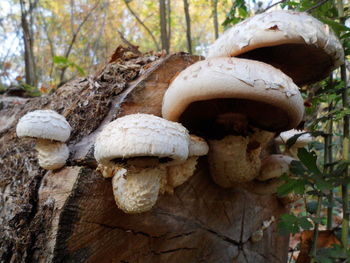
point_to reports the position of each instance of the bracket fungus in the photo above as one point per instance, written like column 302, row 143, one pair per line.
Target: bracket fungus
column 234, row 104
column 272, row 168
column 296, row 43
column 300, row 142
column 178, row 174
column 51, row 131
column 138, row 148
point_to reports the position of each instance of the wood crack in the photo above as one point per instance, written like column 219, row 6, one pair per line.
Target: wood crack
column 134, row 232
column 172, row 250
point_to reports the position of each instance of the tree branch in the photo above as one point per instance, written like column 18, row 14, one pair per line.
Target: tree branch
column 270, row 6
column 75, row 34
column 316, row 6
column 142, row 24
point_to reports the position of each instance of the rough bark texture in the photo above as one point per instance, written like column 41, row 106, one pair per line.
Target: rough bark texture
column 69, row 215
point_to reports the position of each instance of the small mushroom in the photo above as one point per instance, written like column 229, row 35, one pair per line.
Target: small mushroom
column 51, row 131
column 301, row 141
column 138, row 148
column 178, row 174
column 272, row 167
column 236, row 105
column 296, row 43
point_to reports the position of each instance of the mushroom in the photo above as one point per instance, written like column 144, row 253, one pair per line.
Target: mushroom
column 51, row 131
column 234, row 104
column 138, row 148
column 178, row 174
column 300, row 142
column 296, row 43
column 272, row 168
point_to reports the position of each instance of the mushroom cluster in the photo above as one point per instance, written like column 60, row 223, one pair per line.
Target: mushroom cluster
column 146, row 155
column 246, row 91
column 237, row 99
column 51, row 131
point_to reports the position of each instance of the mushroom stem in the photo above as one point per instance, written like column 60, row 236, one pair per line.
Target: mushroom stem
column 233, row 160
column 178, row 174
column 51, row 154
column 136, row 189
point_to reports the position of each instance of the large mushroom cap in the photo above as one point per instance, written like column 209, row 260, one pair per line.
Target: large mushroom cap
column 297, row 43
column 44, row 124
column 204, row 94
column 141, row 135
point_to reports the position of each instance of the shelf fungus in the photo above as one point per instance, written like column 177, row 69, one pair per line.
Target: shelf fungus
column 137, row 149
column 178, row 174
column 51, row 131
column 272, row 168
column 296, row 43
column 300, row 142
column 236, row 105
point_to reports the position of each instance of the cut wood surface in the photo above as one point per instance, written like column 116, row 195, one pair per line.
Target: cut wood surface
column 70, row 215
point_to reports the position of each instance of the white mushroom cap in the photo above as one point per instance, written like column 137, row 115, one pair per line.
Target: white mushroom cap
column 198, row 146
column 44, row 124
column 266, row 96
column 307, row 49
column 300, row 142
column 142, row 135
column 274, row 166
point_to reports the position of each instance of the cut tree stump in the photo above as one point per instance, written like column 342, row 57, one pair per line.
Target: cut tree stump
column 69, row 215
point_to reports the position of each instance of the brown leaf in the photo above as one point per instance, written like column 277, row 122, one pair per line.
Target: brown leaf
column 326, row 238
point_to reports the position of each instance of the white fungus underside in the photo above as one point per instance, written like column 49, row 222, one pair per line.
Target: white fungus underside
column 179, row 174
column 136, row 190
column 231, row 163
column 52, row 155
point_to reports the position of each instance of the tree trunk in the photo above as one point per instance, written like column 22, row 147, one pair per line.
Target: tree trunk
column 28, row 41
column 69, row 215
column 188, row 27
column 163, row 25
column 215, row 18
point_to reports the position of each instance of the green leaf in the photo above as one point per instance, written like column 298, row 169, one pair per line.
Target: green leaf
column 65, row 63
column 336, row 26
column 292, row 185
column 309, row 160
column 60, row 60
column 305, row 223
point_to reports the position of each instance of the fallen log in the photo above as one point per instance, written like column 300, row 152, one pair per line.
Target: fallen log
column 70, row 215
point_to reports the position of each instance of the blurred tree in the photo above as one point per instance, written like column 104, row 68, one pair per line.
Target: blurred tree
column 188, row 27
column 27, row 24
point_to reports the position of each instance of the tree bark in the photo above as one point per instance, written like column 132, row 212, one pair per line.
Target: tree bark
column 163, row 25
column 188, row 26
column 69, row 215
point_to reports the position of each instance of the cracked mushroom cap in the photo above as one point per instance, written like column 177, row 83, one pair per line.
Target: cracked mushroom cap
column 205, row 93
column 142, row 135
column 297, row 43
column 44, row 124
column 300, row 142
